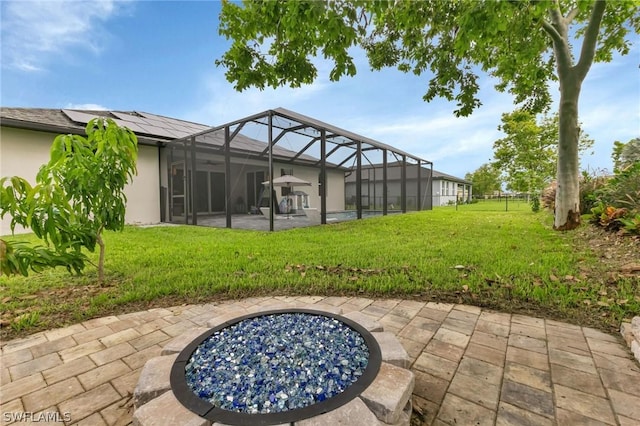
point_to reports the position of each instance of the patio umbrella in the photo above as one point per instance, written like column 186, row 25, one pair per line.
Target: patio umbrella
column 287, row 181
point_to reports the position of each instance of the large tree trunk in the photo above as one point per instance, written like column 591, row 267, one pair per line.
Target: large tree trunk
column 567, row 214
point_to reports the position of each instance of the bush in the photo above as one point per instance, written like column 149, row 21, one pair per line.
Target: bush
column 617, row 203
column 631, row 225
column 623, row 190
column 548, row 196
column 535, row 203
column 608, row 217
column 590, row 183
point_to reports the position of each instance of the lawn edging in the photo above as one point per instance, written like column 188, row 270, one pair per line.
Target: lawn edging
column 631, row 334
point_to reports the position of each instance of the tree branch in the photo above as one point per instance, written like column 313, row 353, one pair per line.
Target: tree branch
column 557, row 31
column 551, row 30
column 588, row 50
column 571, row 15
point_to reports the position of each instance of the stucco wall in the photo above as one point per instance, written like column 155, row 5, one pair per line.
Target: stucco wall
column 22, row 152
column 335, row 185
column 143, row 194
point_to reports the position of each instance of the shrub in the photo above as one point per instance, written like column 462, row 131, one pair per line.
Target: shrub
column 535, row 203
column 590, row 184
column 631, row 225
column 608, row 216
column 623, row 190
column 548, row 196
column 617, row 203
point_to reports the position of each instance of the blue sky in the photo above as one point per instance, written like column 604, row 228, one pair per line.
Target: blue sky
column 158, row 57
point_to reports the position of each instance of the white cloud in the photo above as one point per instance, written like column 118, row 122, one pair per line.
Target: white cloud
column 92, row 107
column 34, row 31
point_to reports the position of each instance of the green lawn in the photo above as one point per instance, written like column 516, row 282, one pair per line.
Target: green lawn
column 511, row 261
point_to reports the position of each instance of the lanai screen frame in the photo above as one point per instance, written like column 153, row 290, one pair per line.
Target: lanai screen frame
column 331, row 140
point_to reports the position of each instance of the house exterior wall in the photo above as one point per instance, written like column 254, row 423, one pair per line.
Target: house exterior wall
column 447, row 192
column 143, row 194
column 335, row 185
column 22, row 152
column 444, row 192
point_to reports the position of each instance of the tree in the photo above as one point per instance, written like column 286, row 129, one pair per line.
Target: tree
column 528, row 154
column 625, row 154
column 524, row 44
column 78, row 194
column 485, row 178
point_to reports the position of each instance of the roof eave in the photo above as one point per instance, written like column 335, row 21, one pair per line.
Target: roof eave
column 52, row 128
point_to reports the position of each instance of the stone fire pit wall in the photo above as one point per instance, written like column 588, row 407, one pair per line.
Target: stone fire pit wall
column 386, row 401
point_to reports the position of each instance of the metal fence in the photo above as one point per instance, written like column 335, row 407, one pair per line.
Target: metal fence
column 495, row 203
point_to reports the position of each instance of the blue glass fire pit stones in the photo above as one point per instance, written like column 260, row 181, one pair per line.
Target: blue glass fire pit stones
column 275, row 367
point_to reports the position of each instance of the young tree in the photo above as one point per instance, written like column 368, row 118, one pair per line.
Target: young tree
column 486, row 179
column 78, row 194
column 524, row 44
column 528, row 154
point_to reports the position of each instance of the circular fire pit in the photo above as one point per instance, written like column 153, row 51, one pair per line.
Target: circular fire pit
column 285, row 366
column 275, row 367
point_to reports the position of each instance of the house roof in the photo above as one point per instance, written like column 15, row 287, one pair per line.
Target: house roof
column 150, row 128
column 443, row 176
column 153, row 129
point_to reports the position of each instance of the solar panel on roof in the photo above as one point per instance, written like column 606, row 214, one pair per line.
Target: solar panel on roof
column 136, row 128
column 128, row 117
column 180, row 124
column 78, row 117
column 164, row 129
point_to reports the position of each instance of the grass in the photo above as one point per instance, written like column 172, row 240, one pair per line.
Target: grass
column 478, row 254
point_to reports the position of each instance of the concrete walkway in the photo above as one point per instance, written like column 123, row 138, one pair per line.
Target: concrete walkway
column 472, row 366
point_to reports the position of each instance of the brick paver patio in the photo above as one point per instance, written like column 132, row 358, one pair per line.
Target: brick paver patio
column 472, row 366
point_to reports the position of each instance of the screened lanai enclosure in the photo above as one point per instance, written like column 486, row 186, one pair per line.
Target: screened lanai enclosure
column 280, row 169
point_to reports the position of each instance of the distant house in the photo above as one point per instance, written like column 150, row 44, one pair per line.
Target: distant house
column 187, row 170
column 449, row 189
column 433, row 188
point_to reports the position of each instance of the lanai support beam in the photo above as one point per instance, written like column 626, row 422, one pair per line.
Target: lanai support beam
column 281, row 135
column 359, row 180
column 187, row 200
column 236, row 131
column 385, row 194
column 346, row 160
column 227, row 172
column 419, row 194
column 323, row 177
column 270, row 142
column 170, row 184
column 430, row 187
column 194, row 186
column 403, row 185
